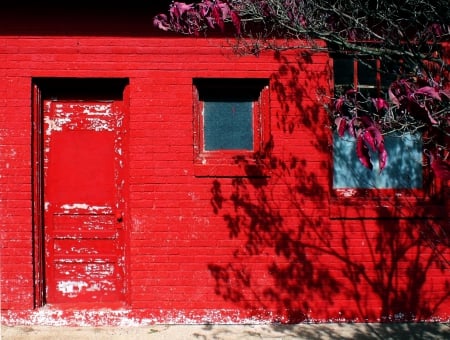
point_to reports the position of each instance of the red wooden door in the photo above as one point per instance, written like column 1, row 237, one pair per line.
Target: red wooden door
column 84, row 202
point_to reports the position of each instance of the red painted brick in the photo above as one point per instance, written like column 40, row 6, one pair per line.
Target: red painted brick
column 218, row 245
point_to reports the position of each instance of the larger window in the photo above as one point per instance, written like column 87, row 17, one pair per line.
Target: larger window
column 402, row 188
column 230, row 125
column 404, row 166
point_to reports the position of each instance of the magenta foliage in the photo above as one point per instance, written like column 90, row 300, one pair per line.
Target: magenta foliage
column 160, row 21
column 368, row 137
column 341, row 124
column 380, row 104
column 236, row 21
column 411, row 99
column 373, row 137
column 417, row 98
column 195, row 17
column 417, row 103
column 350, row 118
column 362, row 151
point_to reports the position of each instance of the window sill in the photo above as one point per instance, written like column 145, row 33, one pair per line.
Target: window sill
column 385, row 207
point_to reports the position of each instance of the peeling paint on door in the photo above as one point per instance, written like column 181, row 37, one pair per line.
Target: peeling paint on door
column 83, row 189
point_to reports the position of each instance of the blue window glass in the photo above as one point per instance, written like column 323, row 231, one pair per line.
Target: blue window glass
column 403, row 169
column 229, row 107
column 228, row 125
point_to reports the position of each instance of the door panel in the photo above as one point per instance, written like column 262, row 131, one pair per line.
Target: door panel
column 88, row 163
column 84, row 202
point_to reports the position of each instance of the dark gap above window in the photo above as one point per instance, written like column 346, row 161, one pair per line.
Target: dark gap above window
column 219, row 89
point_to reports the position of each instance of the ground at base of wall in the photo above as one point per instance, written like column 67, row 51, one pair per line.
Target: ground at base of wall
column 321, row 331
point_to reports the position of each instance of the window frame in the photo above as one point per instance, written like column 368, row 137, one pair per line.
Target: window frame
column 233, row 162
column 355, row 203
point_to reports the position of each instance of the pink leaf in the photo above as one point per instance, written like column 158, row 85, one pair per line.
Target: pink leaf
column 378, row 137
column 204, row 8
column 225, row 9
column 429, row 91
column 174, row 13
column 210, row 21
column 380, row 104
column 338, row 104
column 393, row 97
column 377, row 145
column 341, row 124
column 368, row 139
column 182, row 7
column 216, row 14
column 351, row 127
column 160, row 21
column 236, row 21
column 363, row 152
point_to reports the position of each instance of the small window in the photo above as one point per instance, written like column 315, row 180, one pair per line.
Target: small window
column 230, row 124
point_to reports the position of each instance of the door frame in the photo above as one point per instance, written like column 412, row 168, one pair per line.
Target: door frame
column 38, row 199
column 41, row 88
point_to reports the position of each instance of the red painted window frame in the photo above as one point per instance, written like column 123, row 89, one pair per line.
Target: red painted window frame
column 232, row 163
column 355, row 203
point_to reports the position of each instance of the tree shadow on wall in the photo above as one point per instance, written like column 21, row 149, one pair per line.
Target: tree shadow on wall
column 292, row 262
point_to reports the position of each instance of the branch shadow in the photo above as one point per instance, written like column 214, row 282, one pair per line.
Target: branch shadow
column 293, row 263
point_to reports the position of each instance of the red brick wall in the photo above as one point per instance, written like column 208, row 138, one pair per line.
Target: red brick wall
column 219, row 249
column 16, row 226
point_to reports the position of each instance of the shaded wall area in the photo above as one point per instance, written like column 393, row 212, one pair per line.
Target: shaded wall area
column 304, row 253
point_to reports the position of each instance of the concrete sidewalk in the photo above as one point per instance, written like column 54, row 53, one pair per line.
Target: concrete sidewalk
column 407, row 331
